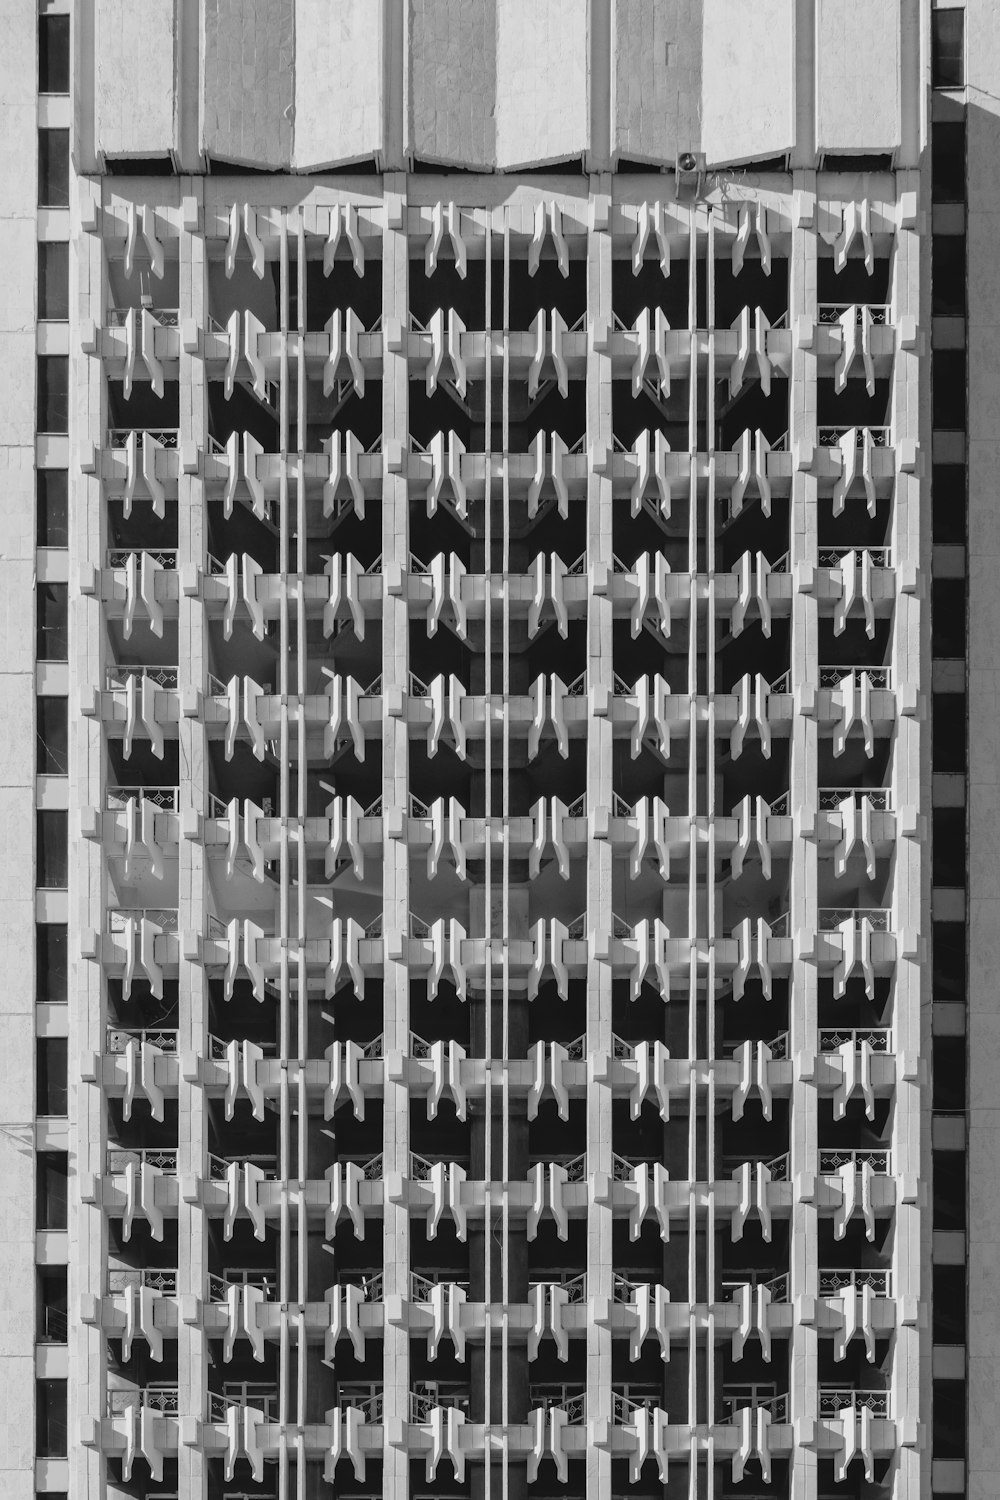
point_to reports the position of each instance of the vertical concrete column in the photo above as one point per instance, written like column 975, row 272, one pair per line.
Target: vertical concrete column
column 87, row 879
column 395, row 893
column 599, row 795
column 803, row 773
column 911, row 656
column 192, row 1020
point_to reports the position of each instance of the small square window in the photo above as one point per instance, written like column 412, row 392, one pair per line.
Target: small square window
column 948, row 49
column 53, row 281
column 53, row 169
column 52, row 508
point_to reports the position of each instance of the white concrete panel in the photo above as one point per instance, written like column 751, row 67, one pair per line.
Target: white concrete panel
column 748, row 80
column 542, row 93
column 656, row 79
column 134, row 77
column 451, row 81
column 857, row 75
column 338, row 82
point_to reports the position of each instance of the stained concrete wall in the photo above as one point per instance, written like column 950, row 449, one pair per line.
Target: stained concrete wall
column 542, row 93
column 338, row 82
column 857, row 75
column 748, row 73
column 134, row 71
column 656, row 79
column 451, row 81
column 248, row 53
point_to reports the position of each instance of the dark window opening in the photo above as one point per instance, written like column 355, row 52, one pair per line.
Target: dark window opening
column 948, row 719
column 53, row 393
column 52, row 850
column 140, row 166
column 53, row 281
column 947, row 49
column 948, row 972
column 51, row 1076
column 52, row 1194
column 50, row 1418
column 51, row 963
column 949, row 1196
column 53, row 169
column 948, row 617
column 948, row 1074
column 948, row 161
column 53, row 54
column 948, row 382
column 948, row 503
column 948, row 849
column 948, row 1305
column 948, row 1435
column 52, row 634
column 948, row 275
column 52, row 1305
column 52, row 736
column 52, row 508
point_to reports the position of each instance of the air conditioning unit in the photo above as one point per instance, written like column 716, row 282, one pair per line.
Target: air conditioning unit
column 690, row 170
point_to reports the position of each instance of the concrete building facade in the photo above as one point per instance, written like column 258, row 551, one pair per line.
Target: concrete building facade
column 487, row 796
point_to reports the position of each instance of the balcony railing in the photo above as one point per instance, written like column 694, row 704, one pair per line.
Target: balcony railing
column 367, row 1399
column 426, row 1395
column 120, row 1157
column 161, row 1398
column 831, row 1161
column 167, row 317
column 117, row 557
column 166, row 436
column 372, row 1283
column 777, row 1285
column 574, row 1283
column 157, row 1279
column 832, row 1038
column 831, row 918
column 777, row 1165
column 832, row 1281
column 258, row 1396
column 571, row 1398
column 55, row 1325
column 165, row 798
column 118, row 1038
column 833, row 1400
column 830, row 557
column 829, row 437
column 736, row 1397
column 266, row 1279
column 163, row 917
column 833, row 676
column 831, row 797
column 832, row 312
column 626, row 1400
column 117, row 676
column 218, row 1166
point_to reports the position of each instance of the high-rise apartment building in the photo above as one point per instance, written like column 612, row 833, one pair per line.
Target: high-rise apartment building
column 489, row 956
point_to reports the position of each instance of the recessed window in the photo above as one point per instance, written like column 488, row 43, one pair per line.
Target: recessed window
column 53, row 393
column 51, row 1076
column 52, row 634
column 948, row 846
column 948, row 275
column 53, row 169
column 948, row 506
column 948, row 1074
column 50, row 1418
column 51, row 736
column 51, row 1195
column 949, row 1196
column 949, row 1420
column 948, row 161
column 51, row 963
column 948, row 618
column 52, row 508
column 53, row 281
column 948, row 49
column 53, row 54
column 52, row 1305
column 948, row 1305
column 948, row 715
column 948, row 385
column 948, row 969
column 52, row 850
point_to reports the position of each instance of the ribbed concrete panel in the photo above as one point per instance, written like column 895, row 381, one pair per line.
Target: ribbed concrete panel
column 748, row 67
column 338, row 82
column 451, row 81
column 542, row 93
column 248, row 49
column 656, row 78
column 857, row 88
column 134, row 77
